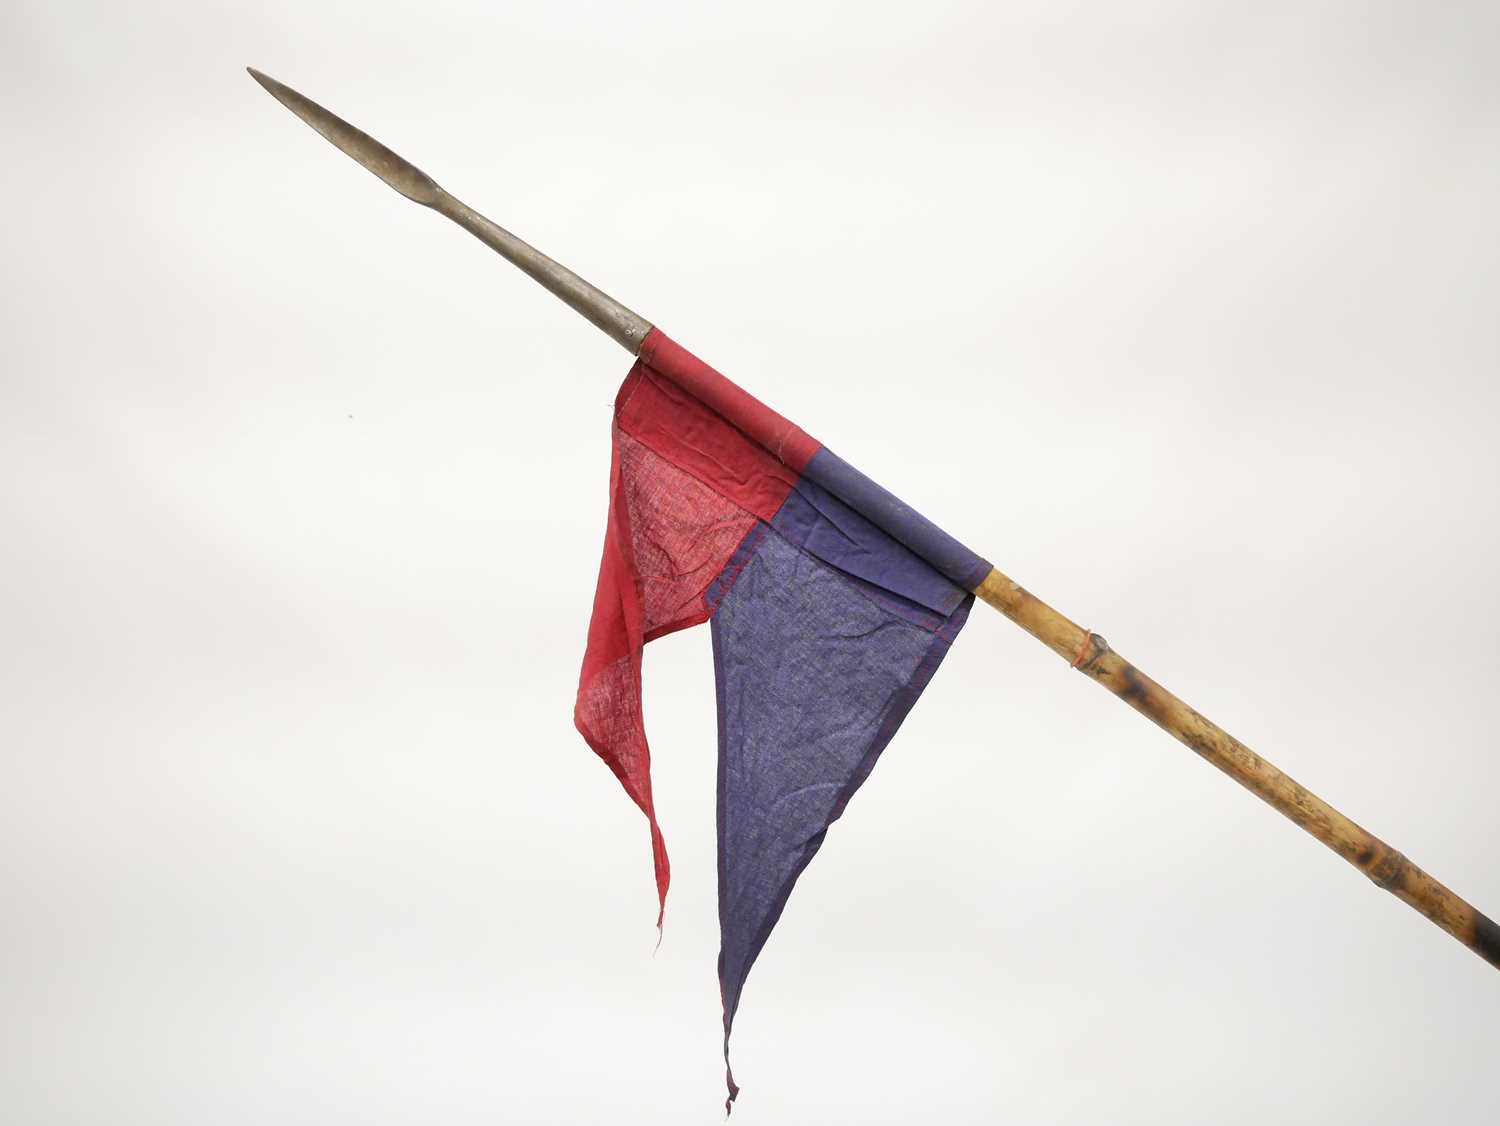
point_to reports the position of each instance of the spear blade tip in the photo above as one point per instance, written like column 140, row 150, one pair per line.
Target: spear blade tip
column 396, row 171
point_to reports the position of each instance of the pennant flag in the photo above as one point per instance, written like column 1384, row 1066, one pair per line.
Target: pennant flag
column 831, row 602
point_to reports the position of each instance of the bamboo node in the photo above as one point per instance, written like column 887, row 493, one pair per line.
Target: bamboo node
column 1090, row 650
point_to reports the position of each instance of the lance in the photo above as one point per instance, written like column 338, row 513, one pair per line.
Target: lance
column 1084, row 650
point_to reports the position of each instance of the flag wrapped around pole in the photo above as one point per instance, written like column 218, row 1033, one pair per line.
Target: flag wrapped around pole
column 831, row 603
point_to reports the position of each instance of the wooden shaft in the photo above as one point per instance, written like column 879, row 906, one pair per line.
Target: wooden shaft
column 1386, row 868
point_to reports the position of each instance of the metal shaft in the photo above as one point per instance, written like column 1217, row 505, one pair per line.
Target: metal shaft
column 602, row 310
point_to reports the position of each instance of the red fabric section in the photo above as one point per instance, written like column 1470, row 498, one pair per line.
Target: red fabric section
column 674, row 523
column 675, row 425
column 788, row 442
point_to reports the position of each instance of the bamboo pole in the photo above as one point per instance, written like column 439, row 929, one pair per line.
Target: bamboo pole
column 1085, row 651
column 1387, row 868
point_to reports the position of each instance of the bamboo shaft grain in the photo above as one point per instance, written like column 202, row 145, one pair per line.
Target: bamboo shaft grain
column 1386, row 868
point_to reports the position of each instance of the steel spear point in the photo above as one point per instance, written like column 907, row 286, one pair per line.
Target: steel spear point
column 624, row 327
column 395, row 170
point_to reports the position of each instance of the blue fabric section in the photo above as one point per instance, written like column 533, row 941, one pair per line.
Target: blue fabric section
column 818, row 522
column 814, row 676
column 897, row 519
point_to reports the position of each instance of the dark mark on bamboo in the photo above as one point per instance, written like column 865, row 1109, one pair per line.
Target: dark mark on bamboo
column 1487, row 938
column 1135, row 686
column 1388, row 870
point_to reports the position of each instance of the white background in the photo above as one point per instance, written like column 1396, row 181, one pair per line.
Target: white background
column 1182, row 313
